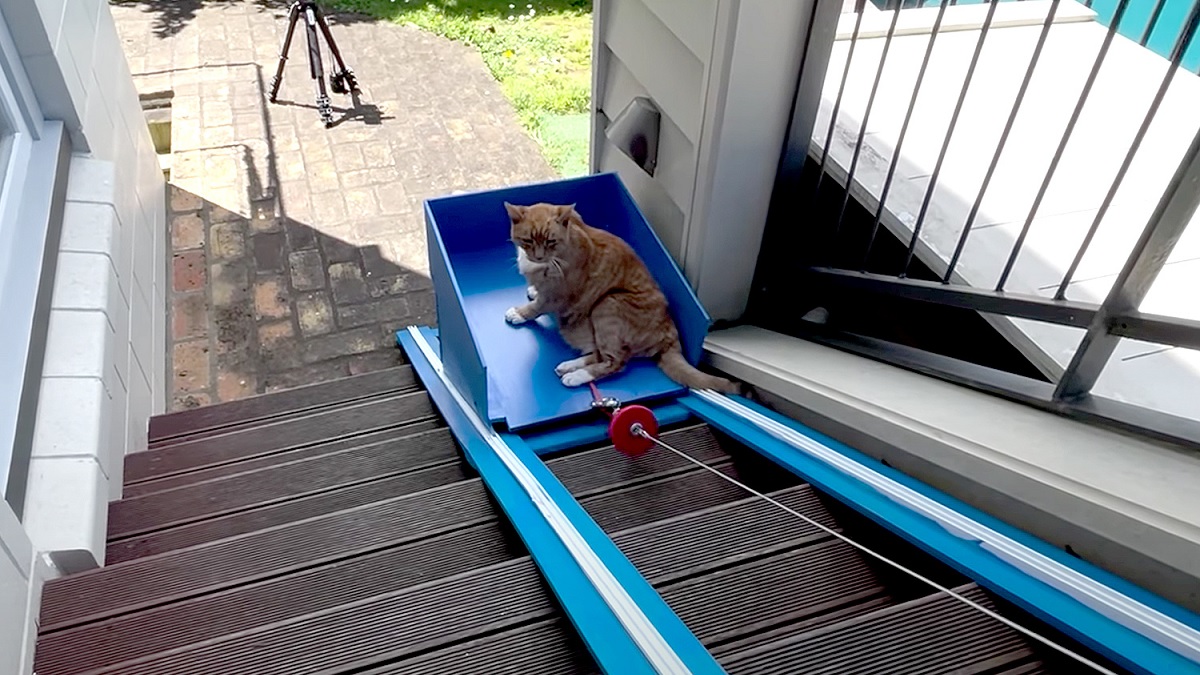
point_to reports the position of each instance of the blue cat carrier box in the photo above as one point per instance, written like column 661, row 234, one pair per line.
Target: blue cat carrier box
column 507, row 372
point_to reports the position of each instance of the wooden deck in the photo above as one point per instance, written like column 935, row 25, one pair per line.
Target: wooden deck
column 337, row 530
column 1150, row 375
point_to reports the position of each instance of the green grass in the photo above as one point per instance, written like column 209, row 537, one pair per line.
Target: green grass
column 564, row 140
column 539, row 51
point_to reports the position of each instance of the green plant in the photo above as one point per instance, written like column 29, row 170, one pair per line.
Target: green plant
column 540, row 53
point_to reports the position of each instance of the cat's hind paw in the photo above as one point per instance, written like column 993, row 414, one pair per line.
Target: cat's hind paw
column 577, row 377
column 531, row 293
column 514, row 317
column 570, row 366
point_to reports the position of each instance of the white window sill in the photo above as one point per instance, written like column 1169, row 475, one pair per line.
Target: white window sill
column 1125, row 504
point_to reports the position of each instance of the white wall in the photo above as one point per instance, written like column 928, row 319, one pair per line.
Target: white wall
column 22, row 575
column 104, row 372
column 723, row 74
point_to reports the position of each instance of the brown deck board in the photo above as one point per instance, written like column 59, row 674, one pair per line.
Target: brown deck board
column 290, row 546
column 282, row 513
column 177, row 575
column 171, row 482
column 548, row 647
column 273, row 437
column 257, row 608
column 139, row 635
column 185, row 423
column 287, row 480
column 934, row 634
column 338, row 532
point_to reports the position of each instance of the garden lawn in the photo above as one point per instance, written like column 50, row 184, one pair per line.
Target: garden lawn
column 540, row 53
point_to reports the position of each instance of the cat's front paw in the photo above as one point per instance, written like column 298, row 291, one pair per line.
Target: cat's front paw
column 570, row 366
column 531, row 293
column 577, row 377
column 514, row 317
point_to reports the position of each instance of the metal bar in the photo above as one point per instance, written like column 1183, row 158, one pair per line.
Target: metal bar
column 814, row 63
column 787, row 197
column 937, row 168
column 1151, row 24
column 1166, row 225
column 862, row 129
column 912, row 104
column 1089, row 409
column 1062, row 312
column 1008, row 125
column 1177, row 52
column 1062, row 145
column 1163, row 330
column 860, row 7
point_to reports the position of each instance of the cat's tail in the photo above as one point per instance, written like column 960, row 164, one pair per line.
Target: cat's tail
column 678, row 369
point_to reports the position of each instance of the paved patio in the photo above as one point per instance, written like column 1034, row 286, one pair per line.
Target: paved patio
column 298, row 250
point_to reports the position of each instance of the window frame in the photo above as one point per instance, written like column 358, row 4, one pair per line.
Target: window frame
column 32, row 196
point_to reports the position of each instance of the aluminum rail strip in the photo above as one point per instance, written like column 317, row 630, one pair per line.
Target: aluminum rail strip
column 1110, row 615
column 626, row 625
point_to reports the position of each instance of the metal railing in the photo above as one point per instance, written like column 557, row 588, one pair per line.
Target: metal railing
column 1158, row 29
column 842, row 264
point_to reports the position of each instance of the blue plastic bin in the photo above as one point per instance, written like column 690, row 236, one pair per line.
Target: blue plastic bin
column 507, row 371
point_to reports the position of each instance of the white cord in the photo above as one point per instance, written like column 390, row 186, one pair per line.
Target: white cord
column 638, row 430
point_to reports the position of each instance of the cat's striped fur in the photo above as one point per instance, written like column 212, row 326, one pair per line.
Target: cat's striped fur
column 607, row 304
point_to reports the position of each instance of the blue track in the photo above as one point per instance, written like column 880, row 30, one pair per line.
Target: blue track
column 629, row 630
column 1037, row 577
column 1130, row 626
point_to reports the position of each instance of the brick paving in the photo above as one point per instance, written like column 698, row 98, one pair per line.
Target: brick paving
column 299, row 250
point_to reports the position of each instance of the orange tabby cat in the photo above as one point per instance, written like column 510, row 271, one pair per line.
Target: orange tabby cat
column 607, row 303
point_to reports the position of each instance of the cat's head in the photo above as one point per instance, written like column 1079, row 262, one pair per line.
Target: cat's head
column 542, row 231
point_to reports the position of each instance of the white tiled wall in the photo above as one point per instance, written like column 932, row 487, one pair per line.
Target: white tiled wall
column 106, row 342
column 104, row 371
column 107, row 323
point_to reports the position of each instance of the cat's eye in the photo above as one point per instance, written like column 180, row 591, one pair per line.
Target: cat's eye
column 551, row 243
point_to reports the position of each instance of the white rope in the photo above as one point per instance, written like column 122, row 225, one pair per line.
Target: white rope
column 638, row 430
column 1126, row 611
column 1120, row 608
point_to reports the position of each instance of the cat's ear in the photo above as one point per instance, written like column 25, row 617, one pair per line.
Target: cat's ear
column 565, row 213
column 515, row 213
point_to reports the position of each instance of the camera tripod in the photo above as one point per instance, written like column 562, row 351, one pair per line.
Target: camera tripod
column 341, row 80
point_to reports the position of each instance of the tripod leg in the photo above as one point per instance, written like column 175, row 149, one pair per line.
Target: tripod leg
column 293, row 15
column 341, row 71
column 316, row 69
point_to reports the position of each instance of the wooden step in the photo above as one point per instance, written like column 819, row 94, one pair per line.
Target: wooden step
column 176, row 426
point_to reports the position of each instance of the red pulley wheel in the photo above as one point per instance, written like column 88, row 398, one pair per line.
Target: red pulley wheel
column 620, row 429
